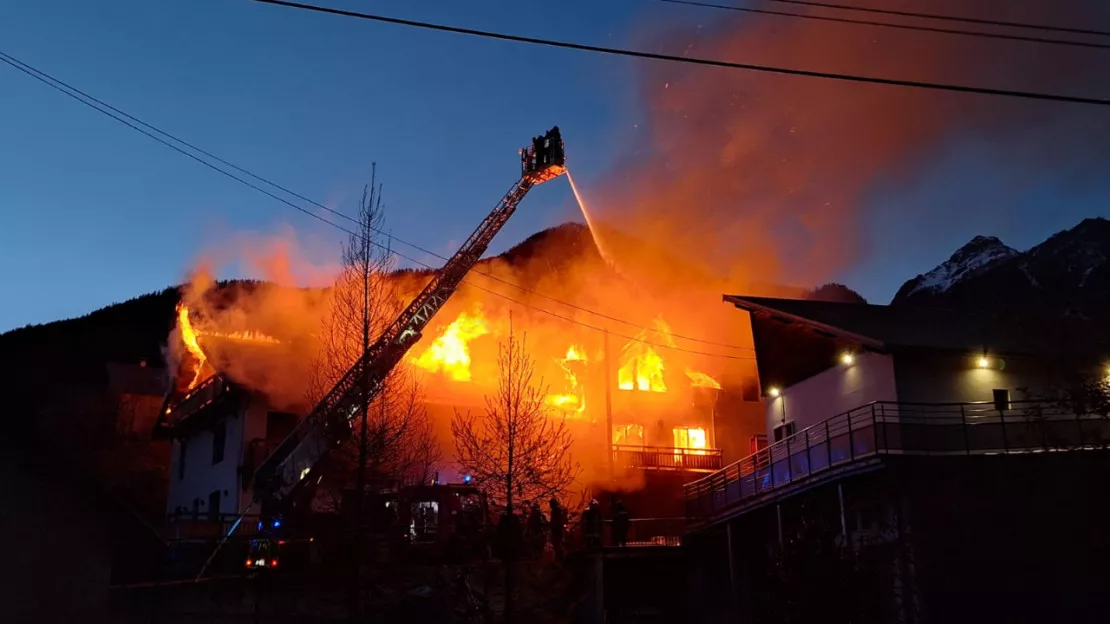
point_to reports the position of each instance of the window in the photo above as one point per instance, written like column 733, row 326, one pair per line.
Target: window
column 783, row 430
column 182, row 447
column 689, row 438
column 628, row 435
column 219, row 440
column 1001, row 399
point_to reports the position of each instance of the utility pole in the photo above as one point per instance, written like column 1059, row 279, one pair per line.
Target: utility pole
column 607, row 365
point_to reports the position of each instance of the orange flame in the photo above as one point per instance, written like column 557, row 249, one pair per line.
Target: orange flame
column 189, row 338
column 449, row 353
column 643, row 371
column 573, row 400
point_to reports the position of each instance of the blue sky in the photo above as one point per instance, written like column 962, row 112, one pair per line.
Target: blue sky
column 94, row 213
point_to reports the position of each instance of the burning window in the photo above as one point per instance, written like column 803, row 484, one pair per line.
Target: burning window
column 573, row 401
column 642, row 369
column 628, row 435
column 689, row 438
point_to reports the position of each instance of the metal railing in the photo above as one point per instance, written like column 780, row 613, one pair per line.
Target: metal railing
column 888, row 428
column 666, row 458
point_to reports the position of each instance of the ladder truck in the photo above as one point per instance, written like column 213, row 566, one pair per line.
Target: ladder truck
column 296, row 462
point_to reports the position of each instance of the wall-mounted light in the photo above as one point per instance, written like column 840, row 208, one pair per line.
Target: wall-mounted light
column 983, row 361
column 847, row 358
column 775, row 392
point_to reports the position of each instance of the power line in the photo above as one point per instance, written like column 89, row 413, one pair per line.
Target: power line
column 935, row 86
column 108, row 111
column 931, row 29
column 44, row 77
column 948, row 18
column 41, row 76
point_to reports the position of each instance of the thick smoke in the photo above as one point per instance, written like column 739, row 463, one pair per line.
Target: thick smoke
column 768, row 178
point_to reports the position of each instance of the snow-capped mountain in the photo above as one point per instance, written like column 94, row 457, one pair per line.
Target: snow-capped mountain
column 1069, row 273
column 979, row 255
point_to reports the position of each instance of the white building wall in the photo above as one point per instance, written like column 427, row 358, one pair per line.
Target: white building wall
column 201, row 476
column 870, row 377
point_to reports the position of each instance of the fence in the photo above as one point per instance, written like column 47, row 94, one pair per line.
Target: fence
column 883, row 428
column 666, row 458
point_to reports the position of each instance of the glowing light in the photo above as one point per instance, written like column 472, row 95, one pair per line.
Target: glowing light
column 304, row 472
column 984, row 362
column 449, row 352
column 467, row 479
column 277, row 523
column 775, row 392
column 847, row 358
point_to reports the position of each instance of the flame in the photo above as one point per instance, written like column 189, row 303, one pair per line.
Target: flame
column 573, row 400
column 643, row 371
column 245, row 336
column 699, row 379
column 449, row 353
column 189, row 338
column 191, row 335
column 690, row 438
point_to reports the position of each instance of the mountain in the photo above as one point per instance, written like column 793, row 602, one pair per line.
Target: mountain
column 1068, row 273
column 974, row 258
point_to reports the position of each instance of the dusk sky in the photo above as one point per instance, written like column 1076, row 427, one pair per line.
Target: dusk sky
column 94, row 212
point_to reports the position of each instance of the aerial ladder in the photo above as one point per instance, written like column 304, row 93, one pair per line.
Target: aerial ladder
column 297, row 460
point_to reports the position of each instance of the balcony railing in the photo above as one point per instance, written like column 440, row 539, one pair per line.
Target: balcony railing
column 666, row 458
column 884, row 428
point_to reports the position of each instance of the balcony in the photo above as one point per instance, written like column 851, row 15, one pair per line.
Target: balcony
column 666, row 458
column 888, row 428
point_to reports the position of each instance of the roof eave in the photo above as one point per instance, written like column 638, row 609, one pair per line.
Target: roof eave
column 755, row 308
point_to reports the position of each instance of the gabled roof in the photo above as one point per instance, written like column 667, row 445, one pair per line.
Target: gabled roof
column 892, row 327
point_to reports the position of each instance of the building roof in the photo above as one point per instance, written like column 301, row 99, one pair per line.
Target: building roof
column 892, row 327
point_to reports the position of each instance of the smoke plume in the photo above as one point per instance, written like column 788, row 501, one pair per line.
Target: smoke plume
column 770, row 178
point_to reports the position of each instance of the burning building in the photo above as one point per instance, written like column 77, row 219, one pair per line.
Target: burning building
column 655, row 386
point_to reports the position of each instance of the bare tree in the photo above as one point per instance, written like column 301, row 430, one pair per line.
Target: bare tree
column 515, row 450
column 393, row 435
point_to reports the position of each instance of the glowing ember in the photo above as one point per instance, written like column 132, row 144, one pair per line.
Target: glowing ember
column 701, row 380
column 449, row 353
column 573, row 400
column 189, row 338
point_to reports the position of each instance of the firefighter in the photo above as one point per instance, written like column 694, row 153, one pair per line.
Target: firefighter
column 621, row 522
column 591, row 525
column 558, row 526
column 537, row 149
column 536, row 530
